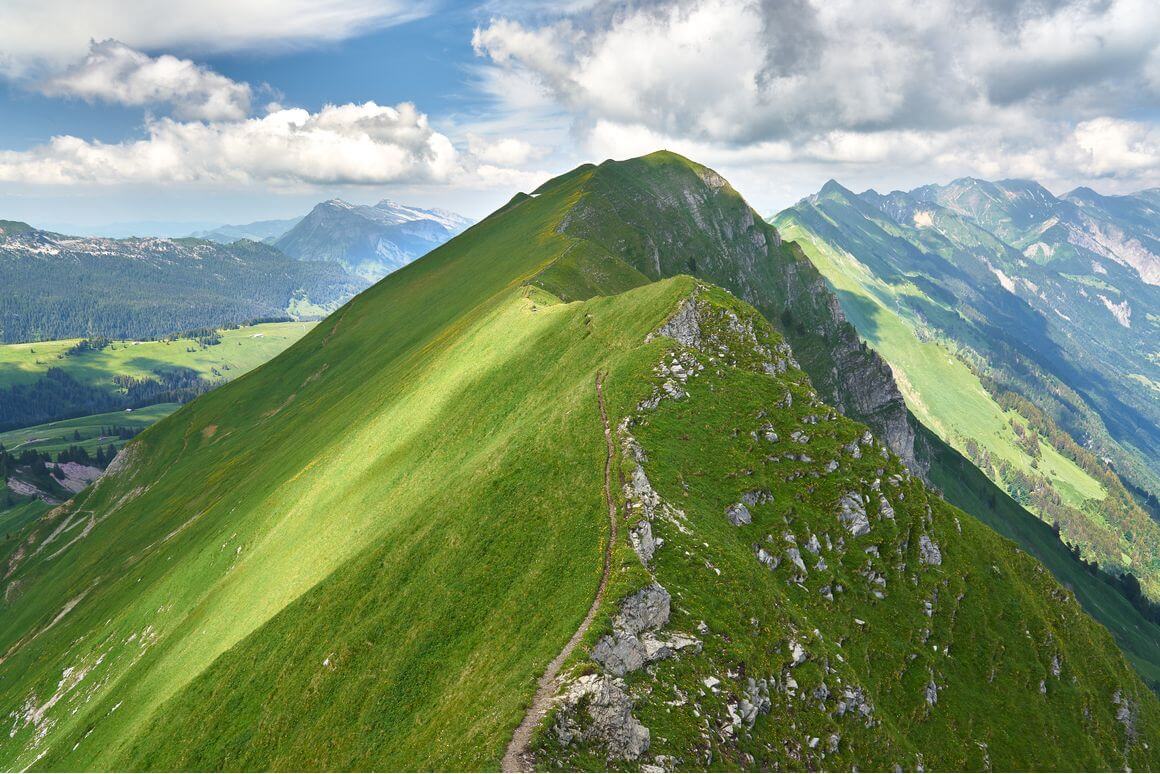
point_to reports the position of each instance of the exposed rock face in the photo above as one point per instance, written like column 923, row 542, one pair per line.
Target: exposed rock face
column 1125, row 714
column 928, row 551
column 738, row 514
column 619, row 653
column 643, row 542
column 683, row 325
column 852, row 514
column 646, row 609
column 609, row 711
column 623, row 651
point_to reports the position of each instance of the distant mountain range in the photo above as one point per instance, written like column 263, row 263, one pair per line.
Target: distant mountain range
column 151, row 286
column 1024, row 329
column 55, row 286
column 369, row 241
column 258, row 231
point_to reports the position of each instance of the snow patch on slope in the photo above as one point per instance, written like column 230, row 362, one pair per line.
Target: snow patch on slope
column 1121, row 311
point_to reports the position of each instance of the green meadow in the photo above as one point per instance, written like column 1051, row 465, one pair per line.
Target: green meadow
column 240, row 350
column 85, row 432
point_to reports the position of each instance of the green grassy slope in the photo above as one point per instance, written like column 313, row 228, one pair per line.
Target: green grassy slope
column 275, row 516
column 964, row 485
column 364, row 553
column 943, row 344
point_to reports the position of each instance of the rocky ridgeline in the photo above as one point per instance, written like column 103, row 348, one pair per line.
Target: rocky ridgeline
column 710, row 232
column 861, row 534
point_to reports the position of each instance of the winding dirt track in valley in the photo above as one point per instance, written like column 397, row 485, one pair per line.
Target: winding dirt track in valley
column 517, row 757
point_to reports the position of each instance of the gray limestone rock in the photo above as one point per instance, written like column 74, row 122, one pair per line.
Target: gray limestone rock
column 928, row 551
column 796, row 558
column 609, row 724
column 619, row 653
column 738, row 514
column 643, row 542
column 684, row 325
column 644, row 610
column 852, row 514
column 757, row 497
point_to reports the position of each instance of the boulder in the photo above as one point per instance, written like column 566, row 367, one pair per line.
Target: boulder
column 852, row 514
column 644, row 610
column 610, row 722
column 738, row 514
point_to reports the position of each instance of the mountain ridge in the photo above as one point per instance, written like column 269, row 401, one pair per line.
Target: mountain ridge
column 389, row 595
column 950, row 281
column 125, row 288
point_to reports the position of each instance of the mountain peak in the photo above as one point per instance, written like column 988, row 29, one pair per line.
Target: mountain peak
column 835, row 190
column 13, row 227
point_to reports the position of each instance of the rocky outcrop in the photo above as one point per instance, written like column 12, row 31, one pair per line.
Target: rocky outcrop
column 596, row 709
column 683, row 326
column 852, row 514
column 627, row 648
column 738, row 514
column 928, row 551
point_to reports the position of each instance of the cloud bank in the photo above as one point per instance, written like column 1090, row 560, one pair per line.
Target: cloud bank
column 1055, row 89
column 340, row 144
column 45, row 35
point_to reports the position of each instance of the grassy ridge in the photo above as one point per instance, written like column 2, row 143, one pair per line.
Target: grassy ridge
column 258, row 518
column 997, row 627
column 363, row 554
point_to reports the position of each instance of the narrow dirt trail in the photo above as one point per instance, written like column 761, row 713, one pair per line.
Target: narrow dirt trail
column 516, row 757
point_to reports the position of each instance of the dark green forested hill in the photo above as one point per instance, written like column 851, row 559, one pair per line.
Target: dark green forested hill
column 534, row 449
column 58, row 287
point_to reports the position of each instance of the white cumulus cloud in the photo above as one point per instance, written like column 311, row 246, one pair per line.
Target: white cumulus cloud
column 851, row 88
column 114, row 72
column 49, row 34
column 340, row 144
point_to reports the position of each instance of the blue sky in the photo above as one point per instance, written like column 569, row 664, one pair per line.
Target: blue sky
column 236, row 110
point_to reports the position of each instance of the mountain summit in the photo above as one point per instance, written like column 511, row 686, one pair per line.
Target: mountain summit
column 552, row 496
column 369, row 241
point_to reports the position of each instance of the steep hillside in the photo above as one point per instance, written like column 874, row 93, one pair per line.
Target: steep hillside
column 57, row 287
column 365, row 554
column 1040, row 398
column 1089, row 265
column 369, row 241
